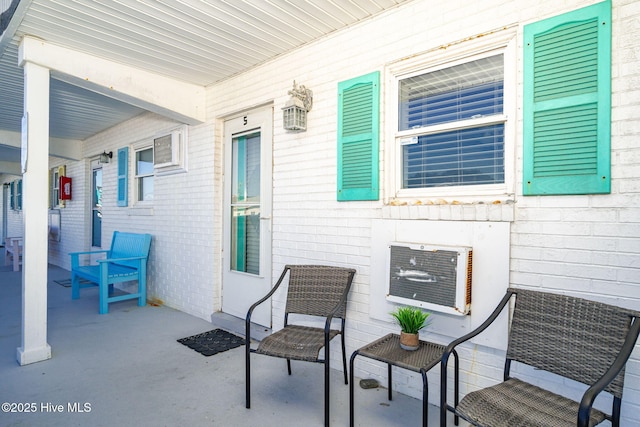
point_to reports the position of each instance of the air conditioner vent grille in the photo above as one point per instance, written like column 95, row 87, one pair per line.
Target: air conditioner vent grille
column 420, row 275
column 432, row 277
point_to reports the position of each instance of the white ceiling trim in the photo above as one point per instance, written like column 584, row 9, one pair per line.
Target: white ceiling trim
column 172, row 98
column 197, row 42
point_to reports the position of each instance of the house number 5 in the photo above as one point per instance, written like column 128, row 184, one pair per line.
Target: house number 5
column 244, row 120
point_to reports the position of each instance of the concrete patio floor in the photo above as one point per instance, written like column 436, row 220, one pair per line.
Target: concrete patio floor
column 127, row 369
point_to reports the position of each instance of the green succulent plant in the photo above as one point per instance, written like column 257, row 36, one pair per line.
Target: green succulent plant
column 411, row 319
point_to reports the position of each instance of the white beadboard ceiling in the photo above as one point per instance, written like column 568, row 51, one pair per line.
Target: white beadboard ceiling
column 195, row 41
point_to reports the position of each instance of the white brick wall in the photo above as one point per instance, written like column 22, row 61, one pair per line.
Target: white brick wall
column 180, row 219
column 583, row 245
column 586, row 245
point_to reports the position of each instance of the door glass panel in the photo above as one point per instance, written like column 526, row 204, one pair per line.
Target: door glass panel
column 245, row 204
column 96, row 208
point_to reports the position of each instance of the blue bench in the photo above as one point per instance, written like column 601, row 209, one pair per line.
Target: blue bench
column 125, row 261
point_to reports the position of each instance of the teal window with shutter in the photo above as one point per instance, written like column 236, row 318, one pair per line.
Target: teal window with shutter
column 359, row 138
column 123, row 176
column 567, row 103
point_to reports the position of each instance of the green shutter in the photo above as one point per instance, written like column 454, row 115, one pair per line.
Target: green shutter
column 123, row 176
column 358, row 138
column 567, row 103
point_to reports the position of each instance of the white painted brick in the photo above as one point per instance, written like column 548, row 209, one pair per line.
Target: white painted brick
column 580, row 244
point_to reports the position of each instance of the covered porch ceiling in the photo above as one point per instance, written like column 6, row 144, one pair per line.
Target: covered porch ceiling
column 181, row 43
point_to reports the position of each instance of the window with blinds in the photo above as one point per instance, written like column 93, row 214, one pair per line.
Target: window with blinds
column 451, row 125
column 144, row 174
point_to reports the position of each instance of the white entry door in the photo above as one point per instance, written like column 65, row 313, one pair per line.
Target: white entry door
column 247, row 215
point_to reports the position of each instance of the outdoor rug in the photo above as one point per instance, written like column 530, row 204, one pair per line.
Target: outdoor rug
column 212, row 342
column 67, row 282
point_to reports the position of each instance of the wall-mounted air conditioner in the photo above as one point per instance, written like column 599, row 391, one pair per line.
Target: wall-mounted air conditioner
column 166, row 150
column 436, row 278
column 170, row 151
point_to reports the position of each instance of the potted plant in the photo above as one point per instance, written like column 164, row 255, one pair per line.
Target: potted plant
column 411, row 321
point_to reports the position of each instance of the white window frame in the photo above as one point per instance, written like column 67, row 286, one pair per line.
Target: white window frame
column 54, row 191
column 94, row 165
column 142, row 146
column 438, row 59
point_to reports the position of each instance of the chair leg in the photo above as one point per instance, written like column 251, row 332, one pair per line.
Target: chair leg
column 248, row 372
column 615, row 416
column 327, row 372
column 456, row 386
column 326, row 391
column 389, row 381
column 425, row 399
column 444, row 407
column 75, row 286
column 351, row 392
column 289, row 366
column 142, row 291
column 344, row 360
column 16, row 259
column 104, row 288
column 104, row 298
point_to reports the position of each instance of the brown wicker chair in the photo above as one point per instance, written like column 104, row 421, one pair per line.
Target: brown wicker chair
column 313, row 291
column 583, row 340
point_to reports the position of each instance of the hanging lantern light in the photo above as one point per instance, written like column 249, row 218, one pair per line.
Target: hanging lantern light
column 294, row 112
column 105, row 157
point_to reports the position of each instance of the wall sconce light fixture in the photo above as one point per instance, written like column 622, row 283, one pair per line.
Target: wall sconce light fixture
column 294, row 112
column 104, row 157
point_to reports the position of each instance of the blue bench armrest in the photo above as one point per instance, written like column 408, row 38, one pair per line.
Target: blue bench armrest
column 88, row 252
column 75, row 256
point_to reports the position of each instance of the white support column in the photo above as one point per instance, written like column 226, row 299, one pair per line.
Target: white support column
column 35, row 183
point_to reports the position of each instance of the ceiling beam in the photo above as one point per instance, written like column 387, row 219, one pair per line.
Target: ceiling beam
column 10, row 168
column 16, row 19
column 70, row 149
column 178, row 100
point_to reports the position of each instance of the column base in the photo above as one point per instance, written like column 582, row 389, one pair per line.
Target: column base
column 26, row 357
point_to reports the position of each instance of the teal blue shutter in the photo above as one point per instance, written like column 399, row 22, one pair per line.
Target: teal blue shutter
column 358, row 138
column 567, row 103
column 123, row 176
column 19, row 198
column 12, row 195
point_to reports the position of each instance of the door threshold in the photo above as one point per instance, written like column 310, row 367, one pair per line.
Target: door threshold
column 237, row 325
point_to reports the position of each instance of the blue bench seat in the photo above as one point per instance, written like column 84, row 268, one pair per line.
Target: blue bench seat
column 125, row 261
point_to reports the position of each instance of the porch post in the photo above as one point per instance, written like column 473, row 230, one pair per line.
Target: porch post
column 35, row 183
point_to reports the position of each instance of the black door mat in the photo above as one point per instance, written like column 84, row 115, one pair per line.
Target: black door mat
column 212, row 342
column 67, row 282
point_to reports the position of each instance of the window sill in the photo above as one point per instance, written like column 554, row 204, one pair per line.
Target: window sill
column 140, row 212
column 499, row 210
